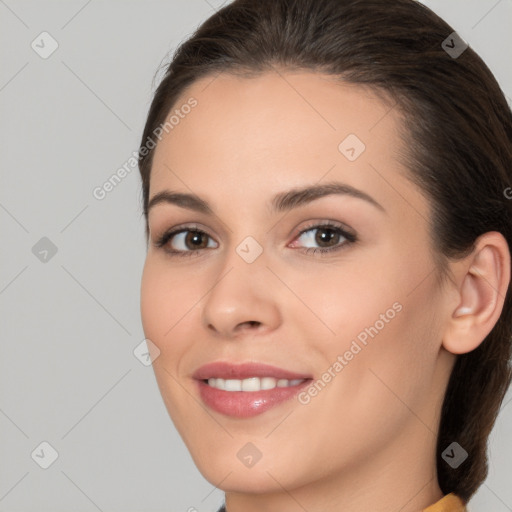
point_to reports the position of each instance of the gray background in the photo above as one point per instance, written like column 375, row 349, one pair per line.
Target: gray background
column 71, row 322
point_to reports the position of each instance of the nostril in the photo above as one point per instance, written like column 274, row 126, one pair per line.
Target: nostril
column 251, row 323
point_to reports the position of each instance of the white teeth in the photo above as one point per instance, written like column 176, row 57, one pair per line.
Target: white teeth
column 232, row 385
column 252, row 383
column 267, row 383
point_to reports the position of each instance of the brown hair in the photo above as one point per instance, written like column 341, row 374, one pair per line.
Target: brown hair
column 457, row 131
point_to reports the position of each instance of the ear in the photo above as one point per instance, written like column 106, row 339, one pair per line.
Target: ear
column 482, row 279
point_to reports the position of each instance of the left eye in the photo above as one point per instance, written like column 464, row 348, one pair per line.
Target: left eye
column 328, row 236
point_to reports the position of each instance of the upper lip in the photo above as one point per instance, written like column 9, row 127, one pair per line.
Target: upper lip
column 226, row 370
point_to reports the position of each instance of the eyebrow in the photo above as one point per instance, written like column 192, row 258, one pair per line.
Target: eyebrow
column 281, row 202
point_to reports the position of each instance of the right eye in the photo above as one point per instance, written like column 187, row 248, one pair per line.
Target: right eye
column 177, row 242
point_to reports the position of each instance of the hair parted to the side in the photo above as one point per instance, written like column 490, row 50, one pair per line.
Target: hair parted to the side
column 457, row 128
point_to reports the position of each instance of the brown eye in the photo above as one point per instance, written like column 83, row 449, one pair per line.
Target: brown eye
column 195, row 240
column 184, row 241
column 327, row 237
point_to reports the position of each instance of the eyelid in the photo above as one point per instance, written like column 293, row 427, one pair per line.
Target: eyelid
column 325, row 223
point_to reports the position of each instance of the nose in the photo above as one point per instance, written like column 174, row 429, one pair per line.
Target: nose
column 243, row 298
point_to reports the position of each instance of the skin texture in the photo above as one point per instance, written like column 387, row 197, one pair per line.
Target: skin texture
column 367, row 440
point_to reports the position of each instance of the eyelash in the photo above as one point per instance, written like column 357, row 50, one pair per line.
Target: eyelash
column 350, row 238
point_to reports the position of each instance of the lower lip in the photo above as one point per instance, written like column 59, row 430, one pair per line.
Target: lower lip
column 245, row 404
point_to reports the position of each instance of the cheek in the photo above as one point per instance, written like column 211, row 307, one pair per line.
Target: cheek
column 166, row 309
column 165, row 305
column 345, row 300
column 152, row 306
column 399, row 348
column 385, row 378
column 381, row 315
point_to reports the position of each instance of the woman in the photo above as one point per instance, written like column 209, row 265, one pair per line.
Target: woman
column 327, row 282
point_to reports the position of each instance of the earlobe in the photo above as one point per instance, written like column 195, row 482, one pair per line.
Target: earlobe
column 482, row 289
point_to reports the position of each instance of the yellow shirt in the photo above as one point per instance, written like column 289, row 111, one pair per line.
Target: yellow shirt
column 449, row 503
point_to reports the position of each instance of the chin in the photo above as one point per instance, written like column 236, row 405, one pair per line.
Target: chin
column 230, row 475
column 245, row 482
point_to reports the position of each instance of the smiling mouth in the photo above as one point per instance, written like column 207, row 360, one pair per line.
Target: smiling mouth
column 249, row 397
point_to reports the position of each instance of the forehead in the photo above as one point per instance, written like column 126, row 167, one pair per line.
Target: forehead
column 252, row 135
column 274, row 107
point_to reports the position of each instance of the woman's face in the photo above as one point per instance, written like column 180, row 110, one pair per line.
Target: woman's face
column 361, row 323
